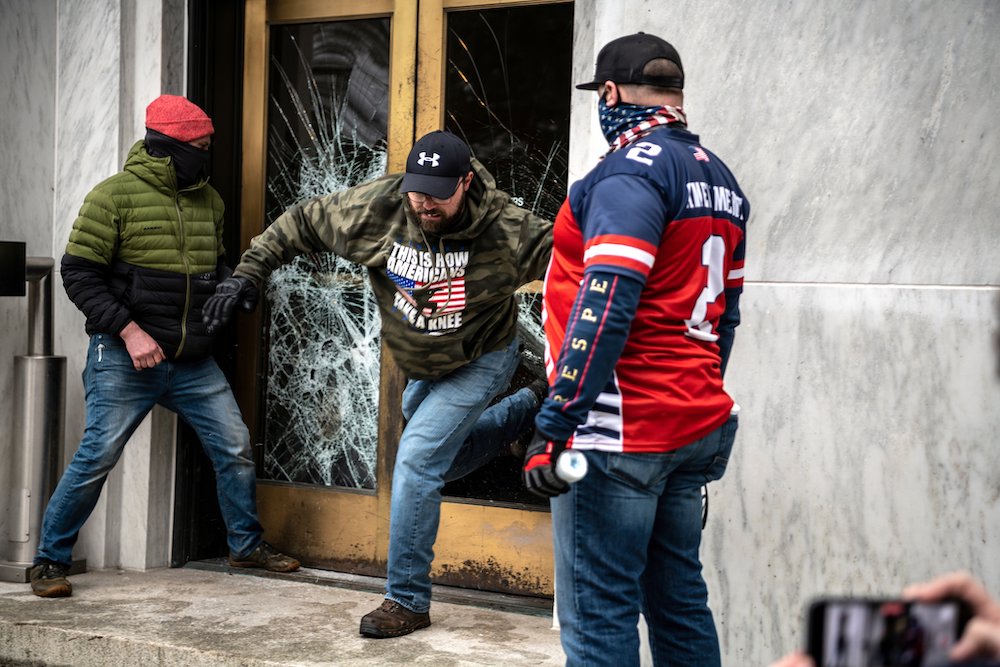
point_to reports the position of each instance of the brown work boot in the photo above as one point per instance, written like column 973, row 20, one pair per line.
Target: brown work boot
column 392, row 619
column 266, row 557
column 48, row 580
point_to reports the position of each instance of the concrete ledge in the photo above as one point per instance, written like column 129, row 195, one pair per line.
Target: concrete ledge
column 200, row 618
column 30, row 645
column 485, row 599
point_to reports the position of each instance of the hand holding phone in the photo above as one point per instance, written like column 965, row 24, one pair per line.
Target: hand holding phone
column 981, row 638
column 881, row 632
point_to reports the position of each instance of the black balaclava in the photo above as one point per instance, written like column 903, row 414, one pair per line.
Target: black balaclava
column 189, row 161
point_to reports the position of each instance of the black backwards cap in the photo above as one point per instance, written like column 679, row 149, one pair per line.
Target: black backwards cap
column 622, row 61
column 435, row 164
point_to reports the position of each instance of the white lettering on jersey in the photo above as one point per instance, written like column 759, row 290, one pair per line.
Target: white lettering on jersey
column 713, row 253
column 717, row 197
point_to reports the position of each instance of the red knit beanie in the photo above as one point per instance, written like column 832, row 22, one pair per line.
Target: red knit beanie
column 178, row 118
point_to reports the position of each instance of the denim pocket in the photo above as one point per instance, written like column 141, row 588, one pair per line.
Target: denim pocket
column 639, row 471
column 716, row 469
column 726, row 437
column 109, row 354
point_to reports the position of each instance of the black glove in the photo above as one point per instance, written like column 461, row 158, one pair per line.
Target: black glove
column 230, row 292
column 540, row 466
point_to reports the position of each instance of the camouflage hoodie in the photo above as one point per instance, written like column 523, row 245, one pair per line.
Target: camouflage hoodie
column 444, row 300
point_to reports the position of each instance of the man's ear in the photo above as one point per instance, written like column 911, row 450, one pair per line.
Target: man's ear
column 612, row 96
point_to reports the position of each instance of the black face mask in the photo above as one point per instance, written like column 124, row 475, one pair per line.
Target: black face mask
column 189, row 162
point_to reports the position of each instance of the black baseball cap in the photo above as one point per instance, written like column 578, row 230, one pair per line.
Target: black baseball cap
column 622, row 61
column 435, row 164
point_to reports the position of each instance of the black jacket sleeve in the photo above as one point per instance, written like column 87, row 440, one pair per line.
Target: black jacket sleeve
column 88, row 285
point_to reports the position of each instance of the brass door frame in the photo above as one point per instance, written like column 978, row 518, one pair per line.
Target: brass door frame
column 476, row 543
column 514, row 543
column 360, row 542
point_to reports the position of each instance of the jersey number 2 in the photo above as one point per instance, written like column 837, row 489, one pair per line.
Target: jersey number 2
column 643, row 151
column 713, row 254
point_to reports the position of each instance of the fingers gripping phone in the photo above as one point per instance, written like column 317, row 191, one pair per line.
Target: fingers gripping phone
column 870, row 632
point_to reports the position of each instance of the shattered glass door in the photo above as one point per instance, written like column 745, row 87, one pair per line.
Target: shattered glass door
column 507, row 86
column 327, row 130
column 317, row 120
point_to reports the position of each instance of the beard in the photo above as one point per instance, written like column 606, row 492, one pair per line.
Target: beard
column 434, row 220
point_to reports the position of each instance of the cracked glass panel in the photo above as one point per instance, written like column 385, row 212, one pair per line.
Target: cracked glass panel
column 507, row 93
column 327, row 129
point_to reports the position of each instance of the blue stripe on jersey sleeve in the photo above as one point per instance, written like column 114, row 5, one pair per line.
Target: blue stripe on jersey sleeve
column 590, row 352
column 624, row 205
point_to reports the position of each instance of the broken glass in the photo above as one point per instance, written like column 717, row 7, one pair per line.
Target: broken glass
column 327, row 131
column 507, row 91
column 507, row 88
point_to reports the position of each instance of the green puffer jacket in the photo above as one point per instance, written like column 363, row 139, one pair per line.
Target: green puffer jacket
column 444, row 300
column 142, row 251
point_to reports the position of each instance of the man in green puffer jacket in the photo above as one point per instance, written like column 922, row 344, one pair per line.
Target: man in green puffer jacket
column 446, row 252
column 143, row 256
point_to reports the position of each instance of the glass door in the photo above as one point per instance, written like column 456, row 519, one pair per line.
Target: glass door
column 334, row 95
column 498, row 75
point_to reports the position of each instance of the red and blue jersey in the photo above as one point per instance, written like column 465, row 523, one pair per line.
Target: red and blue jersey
column 642, row 298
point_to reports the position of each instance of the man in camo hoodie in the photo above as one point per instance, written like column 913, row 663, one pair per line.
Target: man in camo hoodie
column 446, row 252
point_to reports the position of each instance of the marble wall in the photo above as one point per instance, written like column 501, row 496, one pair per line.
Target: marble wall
column 81, row 75
column 27, row 135
column 868, row 361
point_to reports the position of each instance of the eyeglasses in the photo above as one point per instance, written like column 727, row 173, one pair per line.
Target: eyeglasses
column 420, row 197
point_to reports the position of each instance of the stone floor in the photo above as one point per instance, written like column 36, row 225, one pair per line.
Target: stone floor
column 207, row 616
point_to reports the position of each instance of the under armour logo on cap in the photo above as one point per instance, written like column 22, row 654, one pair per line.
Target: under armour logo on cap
column 433, row 159
column 435, row 164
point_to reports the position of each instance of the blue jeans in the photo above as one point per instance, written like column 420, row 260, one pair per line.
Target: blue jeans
column 118, row 398
column 626, row 540
column 449, row 433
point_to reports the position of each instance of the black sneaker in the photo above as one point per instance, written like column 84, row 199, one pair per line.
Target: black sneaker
column 265, row 557
column 48, row 580
column 392, row 619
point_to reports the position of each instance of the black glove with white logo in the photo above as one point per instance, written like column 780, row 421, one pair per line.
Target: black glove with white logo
column 229, row 293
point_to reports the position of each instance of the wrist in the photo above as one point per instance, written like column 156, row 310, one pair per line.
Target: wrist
column 129, row 330
column 558, row 444
column 553, row 424
column 545, row 446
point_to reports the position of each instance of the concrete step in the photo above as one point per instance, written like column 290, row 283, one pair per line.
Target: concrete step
column 209, row 616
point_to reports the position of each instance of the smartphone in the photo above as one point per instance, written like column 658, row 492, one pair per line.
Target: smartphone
column 879, row 632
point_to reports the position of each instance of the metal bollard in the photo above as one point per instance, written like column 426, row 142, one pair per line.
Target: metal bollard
column 39, row 425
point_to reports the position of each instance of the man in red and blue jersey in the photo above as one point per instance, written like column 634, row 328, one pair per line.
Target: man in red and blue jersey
column 640, row 306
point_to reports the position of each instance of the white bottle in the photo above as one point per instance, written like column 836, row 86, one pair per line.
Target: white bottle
column 571, row 466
